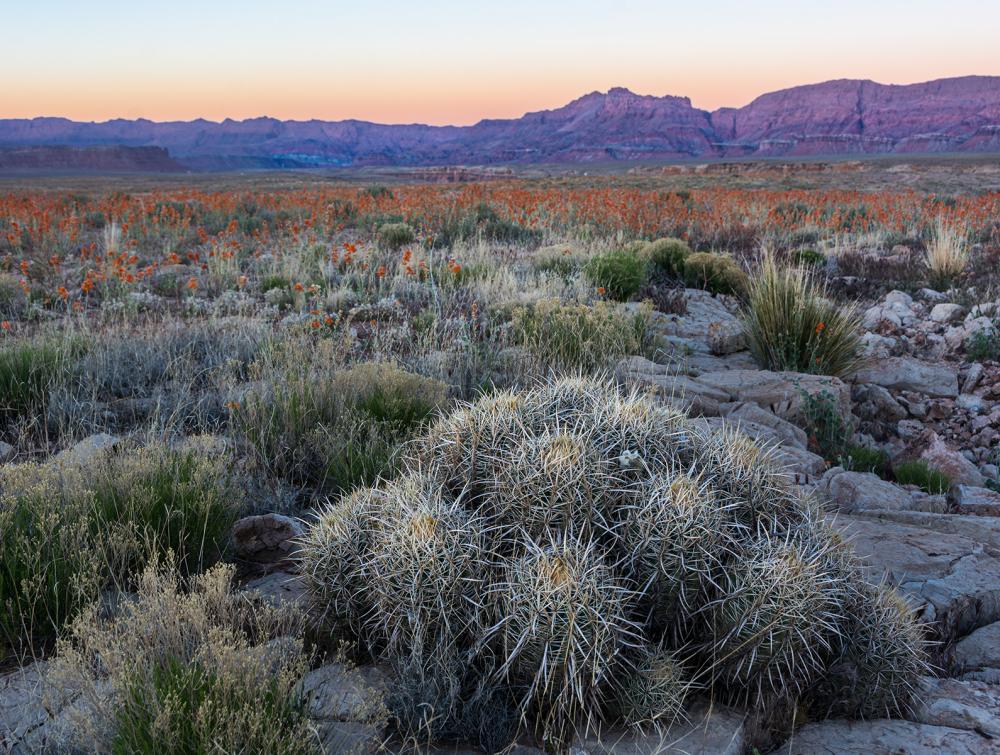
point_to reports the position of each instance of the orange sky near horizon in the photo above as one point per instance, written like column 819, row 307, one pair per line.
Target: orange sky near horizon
column 449, row 63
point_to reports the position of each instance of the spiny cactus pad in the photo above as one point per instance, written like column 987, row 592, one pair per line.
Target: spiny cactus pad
column 593, row 556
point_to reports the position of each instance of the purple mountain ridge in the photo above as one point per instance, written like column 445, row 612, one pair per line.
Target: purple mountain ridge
column 843, row 117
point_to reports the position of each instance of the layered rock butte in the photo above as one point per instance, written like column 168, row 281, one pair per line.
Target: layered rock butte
column 843, row 117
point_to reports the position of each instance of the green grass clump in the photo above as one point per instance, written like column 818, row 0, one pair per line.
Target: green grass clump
column 69, row 530
column 559, row 259
column 484, row 223
column 186, row 668
column 577, row 337
column 28, row 372
column 161, row 501
column 924, row 476
column 862, row 459
column 792, row 325
column 714, row 272
column 394, row 235
column 808, row 256
column 49, row 566
column 984, row 345
column 270, row 282
column 333, row 432
column 667, row 255
column 620, row 273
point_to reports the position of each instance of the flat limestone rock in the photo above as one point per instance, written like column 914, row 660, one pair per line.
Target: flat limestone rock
column 25, row 724
column 708, row 731
column 953, row 579
column 972, row 706
column 979, row 650
column 909, row 374
column 885, row 737
column 781, row 393
column 863, row 491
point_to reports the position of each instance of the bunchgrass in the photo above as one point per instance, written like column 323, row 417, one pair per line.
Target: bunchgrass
column 924, row 476
column 580, row 338
column 792, row 325
column 947, row 254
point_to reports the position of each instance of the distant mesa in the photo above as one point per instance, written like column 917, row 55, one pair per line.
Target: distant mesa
column 843, row 117
column 105, row 159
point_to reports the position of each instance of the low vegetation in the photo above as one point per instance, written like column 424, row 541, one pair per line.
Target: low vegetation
column 791, row 324
column 420, row 375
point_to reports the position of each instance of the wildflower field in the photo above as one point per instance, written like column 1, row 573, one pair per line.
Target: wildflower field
column 362, row 374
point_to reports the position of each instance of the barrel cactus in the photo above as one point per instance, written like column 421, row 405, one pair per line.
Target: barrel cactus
column 593, row 557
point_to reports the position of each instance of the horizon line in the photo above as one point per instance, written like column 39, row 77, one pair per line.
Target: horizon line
column 229, row 119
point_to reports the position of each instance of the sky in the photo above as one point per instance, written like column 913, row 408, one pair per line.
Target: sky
column 438, row 61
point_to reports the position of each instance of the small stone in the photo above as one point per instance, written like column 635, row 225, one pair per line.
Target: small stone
column 972, row 377
column 7, row 452
column 863, row 491
column 969, row 499
column 88, row 449
column 946, row 313
column 971, row 403
column 267, row 540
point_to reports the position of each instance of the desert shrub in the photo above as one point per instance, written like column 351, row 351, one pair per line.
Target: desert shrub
column 924, row 476
column 394, row 235
column 334, row 432
column 484, row 223
column 376, row 191
column 828, row 432
column 792, row 325
column 13, row 300
column 559, row 259
column 619, row 273
column 667, row 255
column 714, row 272
column 176, row 374
column 947, row 255
column 808, row 256
column 184, row 671
column 577, row 337
column 984, row 345
column 68, row 530
column 584, row 554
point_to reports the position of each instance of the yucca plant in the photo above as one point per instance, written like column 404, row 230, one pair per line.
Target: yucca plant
column 791, row 324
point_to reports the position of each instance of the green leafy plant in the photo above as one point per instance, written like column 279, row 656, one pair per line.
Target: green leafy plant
column 621, row 274
column 714, row 272
column 667, row 255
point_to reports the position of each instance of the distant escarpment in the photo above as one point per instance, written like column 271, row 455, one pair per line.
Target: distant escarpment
column 67, row 159
column 844, row 117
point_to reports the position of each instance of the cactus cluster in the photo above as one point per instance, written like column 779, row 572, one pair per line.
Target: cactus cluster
column 594, row 557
